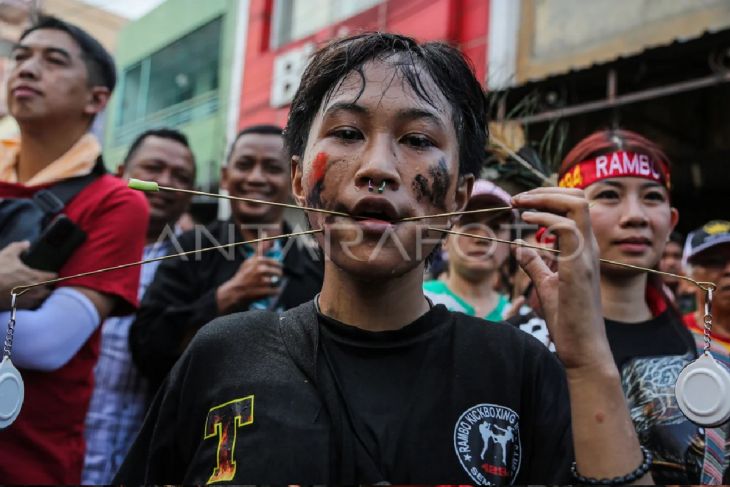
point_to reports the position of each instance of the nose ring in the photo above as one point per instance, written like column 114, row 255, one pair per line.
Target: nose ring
column 380, row 188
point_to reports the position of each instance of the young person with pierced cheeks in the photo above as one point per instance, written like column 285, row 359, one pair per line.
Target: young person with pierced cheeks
column 626, row 178
column 370, row 383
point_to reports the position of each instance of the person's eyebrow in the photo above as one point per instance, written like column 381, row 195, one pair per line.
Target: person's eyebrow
column 58, row 50
column 346, row 107
column 47, row 50
column 411, row 114
column 651, row 184
column 614, row 184
column 19, row 47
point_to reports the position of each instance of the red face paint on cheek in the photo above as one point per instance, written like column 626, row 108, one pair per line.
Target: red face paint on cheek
column 319, row 167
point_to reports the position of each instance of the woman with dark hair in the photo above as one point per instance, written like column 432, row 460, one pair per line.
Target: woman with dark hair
column 626, row 177
column 371, row 382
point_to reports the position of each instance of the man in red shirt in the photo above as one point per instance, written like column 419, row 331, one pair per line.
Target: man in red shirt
column 60, row 79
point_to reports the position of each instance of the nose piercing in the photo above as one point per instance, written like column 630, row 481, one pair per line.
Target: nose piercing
column 380, row 188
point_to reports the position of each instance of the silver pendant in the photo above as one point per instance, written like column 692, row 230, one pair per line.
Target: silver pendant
column 12, row 393
column 703, row 392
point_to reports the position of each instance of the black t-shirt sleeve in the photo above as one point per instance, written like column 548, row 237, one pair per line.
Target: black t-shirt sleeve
column 550, row 434
column 152, row 459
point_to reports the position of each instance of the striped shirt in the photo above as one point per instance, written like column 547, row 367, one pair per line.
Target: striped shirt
column 120, row 398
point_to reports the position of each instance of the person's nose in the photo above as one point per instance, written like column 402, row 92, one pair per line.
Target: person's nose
column 26, row 69
column 164, row 178
column 379, row 165
column 633, row 212
column 256, row 176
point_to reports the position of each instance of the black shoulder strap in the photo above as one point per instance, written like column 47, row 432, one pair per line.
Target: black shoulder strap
column 55, row 198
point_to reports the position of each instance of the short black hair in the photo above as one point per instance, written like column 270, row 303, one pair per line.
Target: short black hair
column 99, row 63
column 261, row 129
column 164, row 133
column 450, row 70
column 677, row 238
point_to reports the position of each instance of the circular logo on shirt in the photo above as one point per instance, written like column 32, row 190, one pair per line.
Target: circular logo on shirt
column 487, row 442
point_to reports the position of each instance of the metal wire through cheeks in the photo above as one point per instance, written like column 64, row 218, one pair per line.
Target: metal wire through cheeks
column 706, row 286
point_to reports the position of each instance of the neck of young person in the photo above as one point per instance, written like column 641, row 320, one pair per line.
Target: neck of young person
column 479, row 292
column 41, row 144
column 386, row 304
column 623, row 297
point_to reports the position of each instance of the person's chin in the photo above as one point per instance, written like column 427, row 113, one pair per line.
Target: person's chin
column 254, row 214
column 363, row 264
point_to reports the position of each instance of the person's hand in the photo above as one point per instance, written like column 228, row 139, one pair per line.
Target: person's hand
column 13, row 272
column 255, row 279
column 570, row 297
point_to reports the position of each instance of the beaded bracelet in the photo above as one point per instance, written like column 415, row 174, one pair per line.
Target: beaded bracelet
column 628, row 478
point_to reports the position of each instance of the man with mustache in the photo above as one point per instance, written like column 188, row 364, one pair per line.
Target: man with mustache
column 189, row 292
column 60, row 79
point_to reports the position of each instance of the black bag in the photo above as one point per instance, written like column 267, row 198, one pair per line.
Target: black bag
column 25, row 218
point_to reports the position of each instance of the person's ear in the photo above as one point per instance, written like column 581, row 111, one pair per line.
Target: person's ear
column 120, row 170
column 464, row 187
column 224, row 178
column 446, row 242
column 674, row 218
column 97, row 101
column 297, row 188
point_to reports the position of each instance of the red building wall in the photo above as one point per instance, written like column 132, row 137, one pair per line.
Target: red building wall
column 463, row 22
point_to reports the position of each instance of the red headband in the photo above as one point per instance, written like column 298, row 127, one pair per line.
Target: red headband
column 615, row 165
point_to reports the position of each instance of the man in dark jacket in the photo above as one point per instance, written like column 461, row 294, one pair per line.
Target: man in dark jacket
column 189, row 292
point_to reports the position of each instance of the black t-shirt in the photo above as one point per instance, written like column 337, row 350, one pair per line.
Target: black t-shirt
column 650, row 355
column 447, row 399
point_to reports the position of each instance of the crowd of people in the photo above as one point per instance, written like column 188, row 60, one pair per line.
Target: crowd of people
column 391, row 346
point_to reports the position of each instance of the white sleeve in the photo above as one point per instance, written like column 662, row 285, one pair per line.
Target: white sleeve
column 48, row 337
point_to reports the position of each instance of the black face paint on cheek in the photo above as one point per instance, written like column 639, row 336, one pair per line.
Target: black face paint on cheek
column 441, row 183
column 420, row 187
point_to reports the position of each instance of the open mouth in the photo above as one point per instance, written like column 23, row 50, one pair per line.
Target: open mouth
column 375, row 209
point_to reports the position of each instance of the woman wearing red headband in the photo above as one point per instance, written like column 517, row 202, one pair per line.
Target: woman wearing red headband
column 627, row 179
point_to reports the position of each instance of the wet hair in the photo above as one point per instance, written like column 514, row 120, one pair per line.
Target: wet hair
column 163, row 133
column 611, row 140
column 262, row 129
column 99, row 63
column 452, row 73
